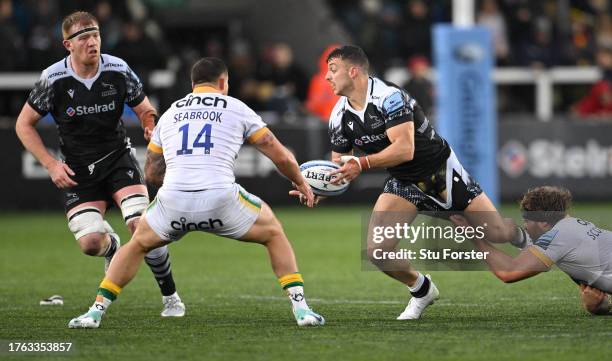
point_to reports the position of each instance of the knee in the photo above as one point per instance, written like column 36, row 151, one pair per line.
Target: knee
column 375, row 255
column 274, row 231
column 92, row 244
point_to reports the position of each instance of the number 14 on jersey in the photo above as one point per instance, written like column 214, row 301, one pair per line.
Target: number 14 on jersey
column 197, row 143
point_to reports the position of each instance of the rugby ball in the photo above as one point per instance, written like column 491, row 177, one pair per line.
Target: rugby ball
column 317, row 175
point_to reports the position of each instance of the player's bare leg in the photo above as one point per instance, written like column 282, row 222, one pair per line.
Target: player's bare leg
column 268, row 231
column 389, row 210
column 122, row 270
column 133, row 200
column 482, row 212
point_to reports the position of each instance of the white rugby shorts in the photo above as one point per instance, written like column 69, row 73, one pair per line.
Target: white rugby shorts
column 228, row 212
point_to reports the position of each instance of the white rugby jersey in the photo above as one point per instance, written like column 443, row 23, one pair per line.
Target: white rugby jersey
column 580, row 249
column 200, row 136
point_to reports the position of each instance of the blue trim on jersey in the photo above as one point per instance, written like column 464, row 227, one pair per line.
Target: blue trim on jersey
column 545, row 239
column 393, row 103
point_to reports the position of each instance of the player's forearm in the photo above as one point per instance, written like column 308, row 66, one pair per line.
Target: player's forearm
column 154, row 169
column 154, row 180
column 32, row 142
column 147, row 118
column 287, row 165
column 146, row 114
column 501, row 264
column 395, row 154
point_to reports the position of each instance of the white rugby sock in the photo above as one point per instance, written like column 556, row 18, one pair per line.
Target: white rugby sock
column 296, row 295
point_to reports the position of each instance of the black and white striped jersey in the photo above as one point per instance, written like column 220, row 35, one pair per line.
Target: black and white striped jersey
column 87, row 111
column 388, row 106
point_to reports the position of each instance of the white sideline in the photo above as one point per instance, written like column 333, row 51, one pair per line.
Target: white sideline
column 443, row 303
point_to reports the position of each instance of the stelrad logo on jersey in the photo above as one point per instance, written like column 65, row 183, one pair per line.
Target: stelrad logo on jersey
column 94, row 109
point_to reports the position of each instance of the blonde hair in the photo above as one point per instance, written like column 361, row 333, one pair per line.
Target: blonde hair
column 78, row 17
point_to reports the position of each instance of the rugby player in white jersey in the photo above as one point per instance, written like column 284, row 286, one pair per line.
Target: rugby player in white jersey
column 578, row 247
column 192, row 152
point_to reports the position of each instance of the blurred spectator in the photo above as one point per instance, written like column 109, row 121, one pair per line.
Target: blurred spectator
column 520, row 26
column 11, row 41
column 44, row 41
column 604, row 29
column 368, row 26
column 387, row 39
column 242, row 69
column 140, row 51
column 491, row 18
column 416, row 32
column 282, row 84
column 599, row 100
column 582, row 38
column 320, row 99
column 110, row 25
column 419, row 86
column 540, row 52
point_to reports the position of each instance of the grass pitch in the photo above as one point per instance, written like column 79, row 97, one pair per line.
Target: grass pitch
column 236, row 310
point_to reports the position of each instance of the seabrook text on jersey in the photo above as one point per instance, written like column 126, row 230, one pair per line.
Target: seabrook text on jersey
column 196, row 99
column 198, row 115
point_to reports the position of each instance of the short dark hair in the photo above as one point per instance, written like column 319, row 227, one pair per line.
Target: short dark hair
column 546, row 204
column 351, row 53
column 207, row 70
column 77, row 17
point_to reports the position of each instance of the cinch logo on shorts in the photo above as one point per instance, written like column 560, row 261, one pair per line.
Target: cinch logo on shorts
column 95, row 109
column 192, row 226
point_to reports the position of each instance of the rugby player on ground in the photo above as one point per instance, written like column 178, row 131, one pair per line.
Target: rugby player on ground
column 578, row 247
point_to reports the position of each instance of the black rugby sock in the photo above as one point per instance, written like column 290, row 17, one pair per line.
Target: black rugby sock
column 422, row 291
column 159, row 263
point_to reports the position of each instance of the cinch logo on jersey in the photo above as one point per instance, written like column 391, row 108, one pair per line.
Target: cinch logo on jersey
column 192, row 226
column 365, row 139
column 196, row 99
column 95, row 109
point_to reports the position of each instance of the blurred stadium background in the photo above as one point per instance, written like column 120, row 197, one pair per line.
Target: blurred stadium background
column 546, row 64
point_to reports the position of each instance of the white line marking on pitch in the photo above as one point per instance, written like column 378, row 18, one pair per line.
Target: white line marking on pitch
column 356, row 302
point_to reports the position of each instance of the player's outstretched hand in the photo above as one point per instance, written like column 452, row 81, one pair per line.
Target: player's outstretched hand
column 302, row 198
column 60, row 174
column 305, row 195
